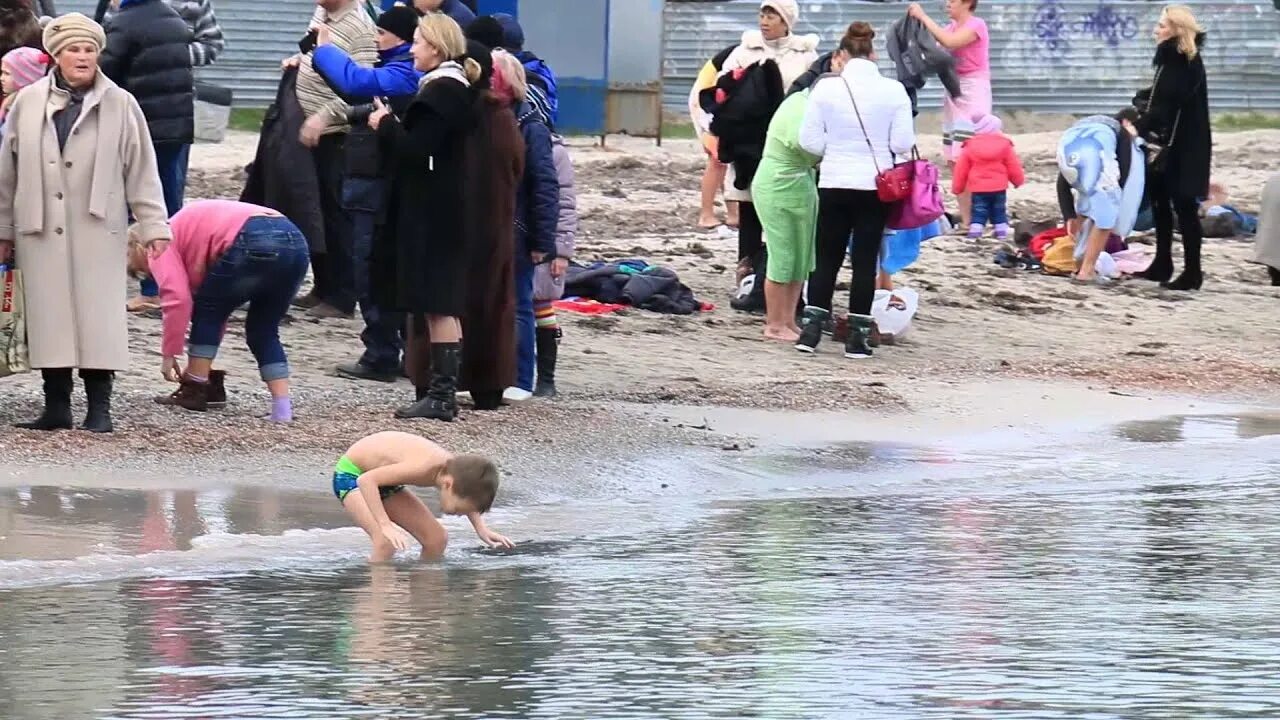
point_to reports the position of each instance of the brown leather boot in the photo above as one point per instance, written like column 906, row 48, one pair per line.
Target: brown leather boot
column 190, row 395
column 217, row 389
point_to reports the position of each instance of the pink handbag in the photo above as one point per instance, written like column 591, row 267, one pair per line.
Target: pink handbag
column 924, row 204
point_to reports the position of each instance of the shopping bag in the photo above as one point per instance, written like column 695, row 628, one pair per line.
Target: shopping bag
column 13, row 325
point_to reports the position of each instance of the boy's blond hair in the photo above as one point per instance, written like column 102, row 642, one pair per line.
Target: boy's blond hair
column 475, row 479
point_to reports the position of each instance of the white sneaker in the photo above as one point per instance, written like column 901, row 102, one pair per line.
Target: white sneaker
column 516, row 395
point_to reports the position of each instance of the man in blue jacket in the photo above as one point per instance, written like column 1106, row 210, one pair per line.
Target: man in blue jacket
column 395, row 81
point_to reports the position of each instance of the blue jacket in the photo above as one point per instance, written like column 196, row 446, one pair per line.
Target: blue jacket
column 538, row 199
column 460, row 13
column 393, row 77
column 541, row 78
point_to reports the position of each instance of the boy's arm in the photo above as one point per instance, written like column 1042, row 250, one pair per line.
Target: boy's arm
column 489, row 537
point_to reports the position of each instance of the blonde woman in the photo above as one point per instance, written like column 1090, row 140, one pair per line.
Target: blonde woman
column 78, row 146
column 422, row 269
column 1174, row 115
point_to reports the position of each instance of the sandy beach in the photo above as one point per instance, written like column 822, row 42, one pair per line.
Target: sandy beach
column 985, row 338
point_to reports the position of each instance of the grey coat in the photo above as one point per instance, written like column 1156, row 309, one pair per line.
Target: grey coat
column 916, row 54
column 545, row 287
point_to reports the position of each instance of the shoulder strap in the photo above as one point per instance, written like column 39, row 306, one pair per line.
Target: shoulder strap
column 849, row 90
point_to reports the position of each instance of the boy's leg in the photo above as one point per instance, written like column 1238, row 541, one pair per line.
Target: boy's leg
column 1000, row 214
column 359, row 510
column 980, row 212
column 409, row 512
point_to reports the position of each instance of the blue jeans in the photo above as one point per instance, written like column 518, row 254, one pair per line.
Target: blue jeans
column 989, row 207
column 171, row 160
column 363, row 200
column 526, row 355
column 263, row 267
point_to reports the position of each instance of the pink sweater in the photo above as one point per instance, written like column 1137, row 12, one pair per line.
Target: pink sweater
column 202, row 232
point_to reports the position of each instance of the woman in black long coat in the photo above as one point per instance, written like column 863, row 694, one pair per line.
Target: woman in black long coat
column 421, row 260
column 1174, row 114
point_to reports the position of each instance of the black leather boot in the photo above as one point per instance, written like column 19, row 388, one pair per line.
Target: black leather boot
column 441, row 401
column 97, row 388
column 753, row 302
column 1275, row 276
column 57, row 402
column 548, row 344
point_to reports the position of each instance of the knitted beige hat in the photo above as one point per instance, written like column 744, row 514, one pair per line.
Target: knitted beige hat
column 788, row 9
column 72, row 28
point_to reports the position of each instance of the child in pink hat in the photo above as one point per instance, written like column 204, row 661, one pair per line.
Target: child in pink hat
column 19, row 68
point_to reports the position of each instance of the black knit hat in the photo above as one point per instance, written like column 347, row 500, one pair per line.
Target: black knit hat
column 487, row 31
column 401, row 21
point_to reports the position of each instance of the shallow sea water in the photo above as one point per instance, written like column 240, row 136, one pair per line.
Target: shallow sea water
column 1126, row 575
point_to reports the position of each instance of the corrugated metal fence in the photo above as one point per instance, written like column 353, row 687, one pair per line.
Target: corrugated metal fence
column 1071, row 56
column 259, row 35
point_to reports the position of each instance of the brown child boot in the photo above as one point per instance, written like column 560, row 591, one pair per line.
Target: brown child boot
column 217, row 389
column 190, row 395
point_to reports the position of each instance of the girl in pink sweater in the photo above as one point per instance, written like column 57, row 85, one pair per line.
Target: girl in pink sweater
column 224, row 254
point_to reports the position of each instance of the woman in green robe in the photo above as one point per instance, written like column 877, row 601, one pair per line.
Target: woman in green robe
column 786, row 196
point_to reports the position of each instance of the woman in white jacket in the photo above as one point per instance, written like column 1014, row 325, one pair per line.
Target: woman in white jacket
column 856, row 122
column 775, row 40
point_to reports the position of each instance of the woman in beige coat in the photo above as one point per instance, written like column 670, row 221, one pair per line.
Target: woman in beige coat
column 76, row 151
column 775, row 40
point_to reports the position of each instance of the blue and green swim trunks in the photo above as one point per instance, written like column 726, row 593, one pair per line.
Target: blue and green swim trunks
column 345, row 475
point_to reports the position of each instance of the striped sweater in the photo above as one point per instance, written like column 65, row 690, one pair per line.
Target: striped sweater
column 207, row 41
column 353, row 34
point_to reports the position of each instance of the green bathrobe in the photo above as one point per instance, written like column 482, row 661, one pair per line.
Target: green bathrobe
column 785, row 190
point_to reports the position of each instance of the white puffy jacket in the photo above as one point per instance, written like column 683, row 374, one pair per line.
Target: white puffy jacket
column 831, row 127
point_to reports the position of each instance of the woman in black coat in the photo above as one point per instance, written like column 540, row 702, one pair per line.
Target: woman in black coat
column 421, row 258
column 1174, row 115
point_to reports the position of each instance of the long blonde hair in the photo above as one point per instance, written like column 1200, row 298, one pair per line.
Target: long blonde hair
column 1185, row 28
column 445, row 35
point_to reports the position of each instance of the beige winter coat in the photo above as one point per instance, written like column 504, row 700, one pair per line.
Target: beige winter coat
column 1267, row 245
column 66, row 212
column 793, row 53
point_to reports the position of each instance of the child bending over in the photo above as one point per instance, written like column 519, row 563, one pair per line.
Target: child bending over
column 371, row 477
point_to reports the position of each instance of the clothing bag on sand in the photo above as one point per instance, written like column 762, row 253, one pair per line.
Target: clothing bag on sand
column 13, row 325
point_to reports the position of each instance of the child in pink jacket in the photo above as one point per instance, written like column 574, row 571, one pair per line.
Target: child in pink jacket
column 224, row 254
column 987, row 167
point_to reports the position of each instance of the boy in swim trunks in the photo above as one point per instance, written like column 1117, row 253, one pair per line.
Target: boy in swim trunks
column 370, row 479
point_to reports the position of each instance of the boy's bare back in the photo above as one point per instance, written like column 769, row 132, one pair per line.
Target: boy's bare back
column 393, row 448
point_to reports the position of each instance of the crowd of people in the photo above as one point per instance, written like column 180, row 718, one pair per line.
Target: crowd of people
column 800, row 139
column 445, row 212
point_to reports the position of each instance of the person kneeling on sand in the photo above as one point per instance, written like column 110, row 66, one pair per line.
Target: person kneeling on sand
column 223, row 254
column 1102, row 178
column 370, row 479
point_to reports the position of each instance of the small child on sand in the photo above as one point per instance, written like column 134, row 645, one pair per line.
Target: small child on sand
column 988, row 165
column 371, row 477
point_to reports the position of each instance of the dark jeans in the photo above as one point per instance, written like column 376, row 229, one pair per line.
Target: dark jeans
column 989, row 207
column 839, row 213
column 750, row 231
column 171, row 160
column 263, row 267
column 1163, row 205
column 363, row 199
column 333, row 270
column 526, row 353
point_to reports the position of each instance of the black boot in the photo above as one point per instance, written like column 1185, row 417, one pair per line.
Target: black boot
column 487, row 400
column 1275, row 276
column 441, row 401
column 97, row 388
column 548, row 344
column 811, row 329
column 1189, row 279
column 57, row 402
column 857, row 345
column 753, row 302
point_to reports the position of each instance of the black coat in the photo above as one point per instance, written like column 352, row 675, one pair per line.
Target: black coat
column 741, row 105
column 820, row 67
column 148, row 53
column 283, row 173
column 420, row 260
column 1180, row 95
column 916, row 54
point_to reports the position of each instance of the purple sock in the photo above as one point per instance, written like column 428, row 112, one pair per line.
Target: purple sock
column 975, row 230
column 202, row 379
column 281, row 409
column 1002, row 230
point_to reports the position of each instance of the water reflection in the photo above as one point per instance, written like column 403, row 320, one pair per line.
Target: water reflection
column 1179, row 428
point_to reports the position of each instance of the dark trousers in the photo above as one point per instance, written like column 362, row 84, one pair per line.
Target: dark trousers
column 171, row 160
column 364, row 200
column 526, row 353
column 263, row 267
column 333, row 270
column 841, row 212
column 990, row 207
column 1163, row 205
column 750, row 231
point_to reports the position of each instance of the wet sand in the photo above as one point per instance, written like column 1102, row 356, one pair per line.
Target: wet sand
column 987, row 343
